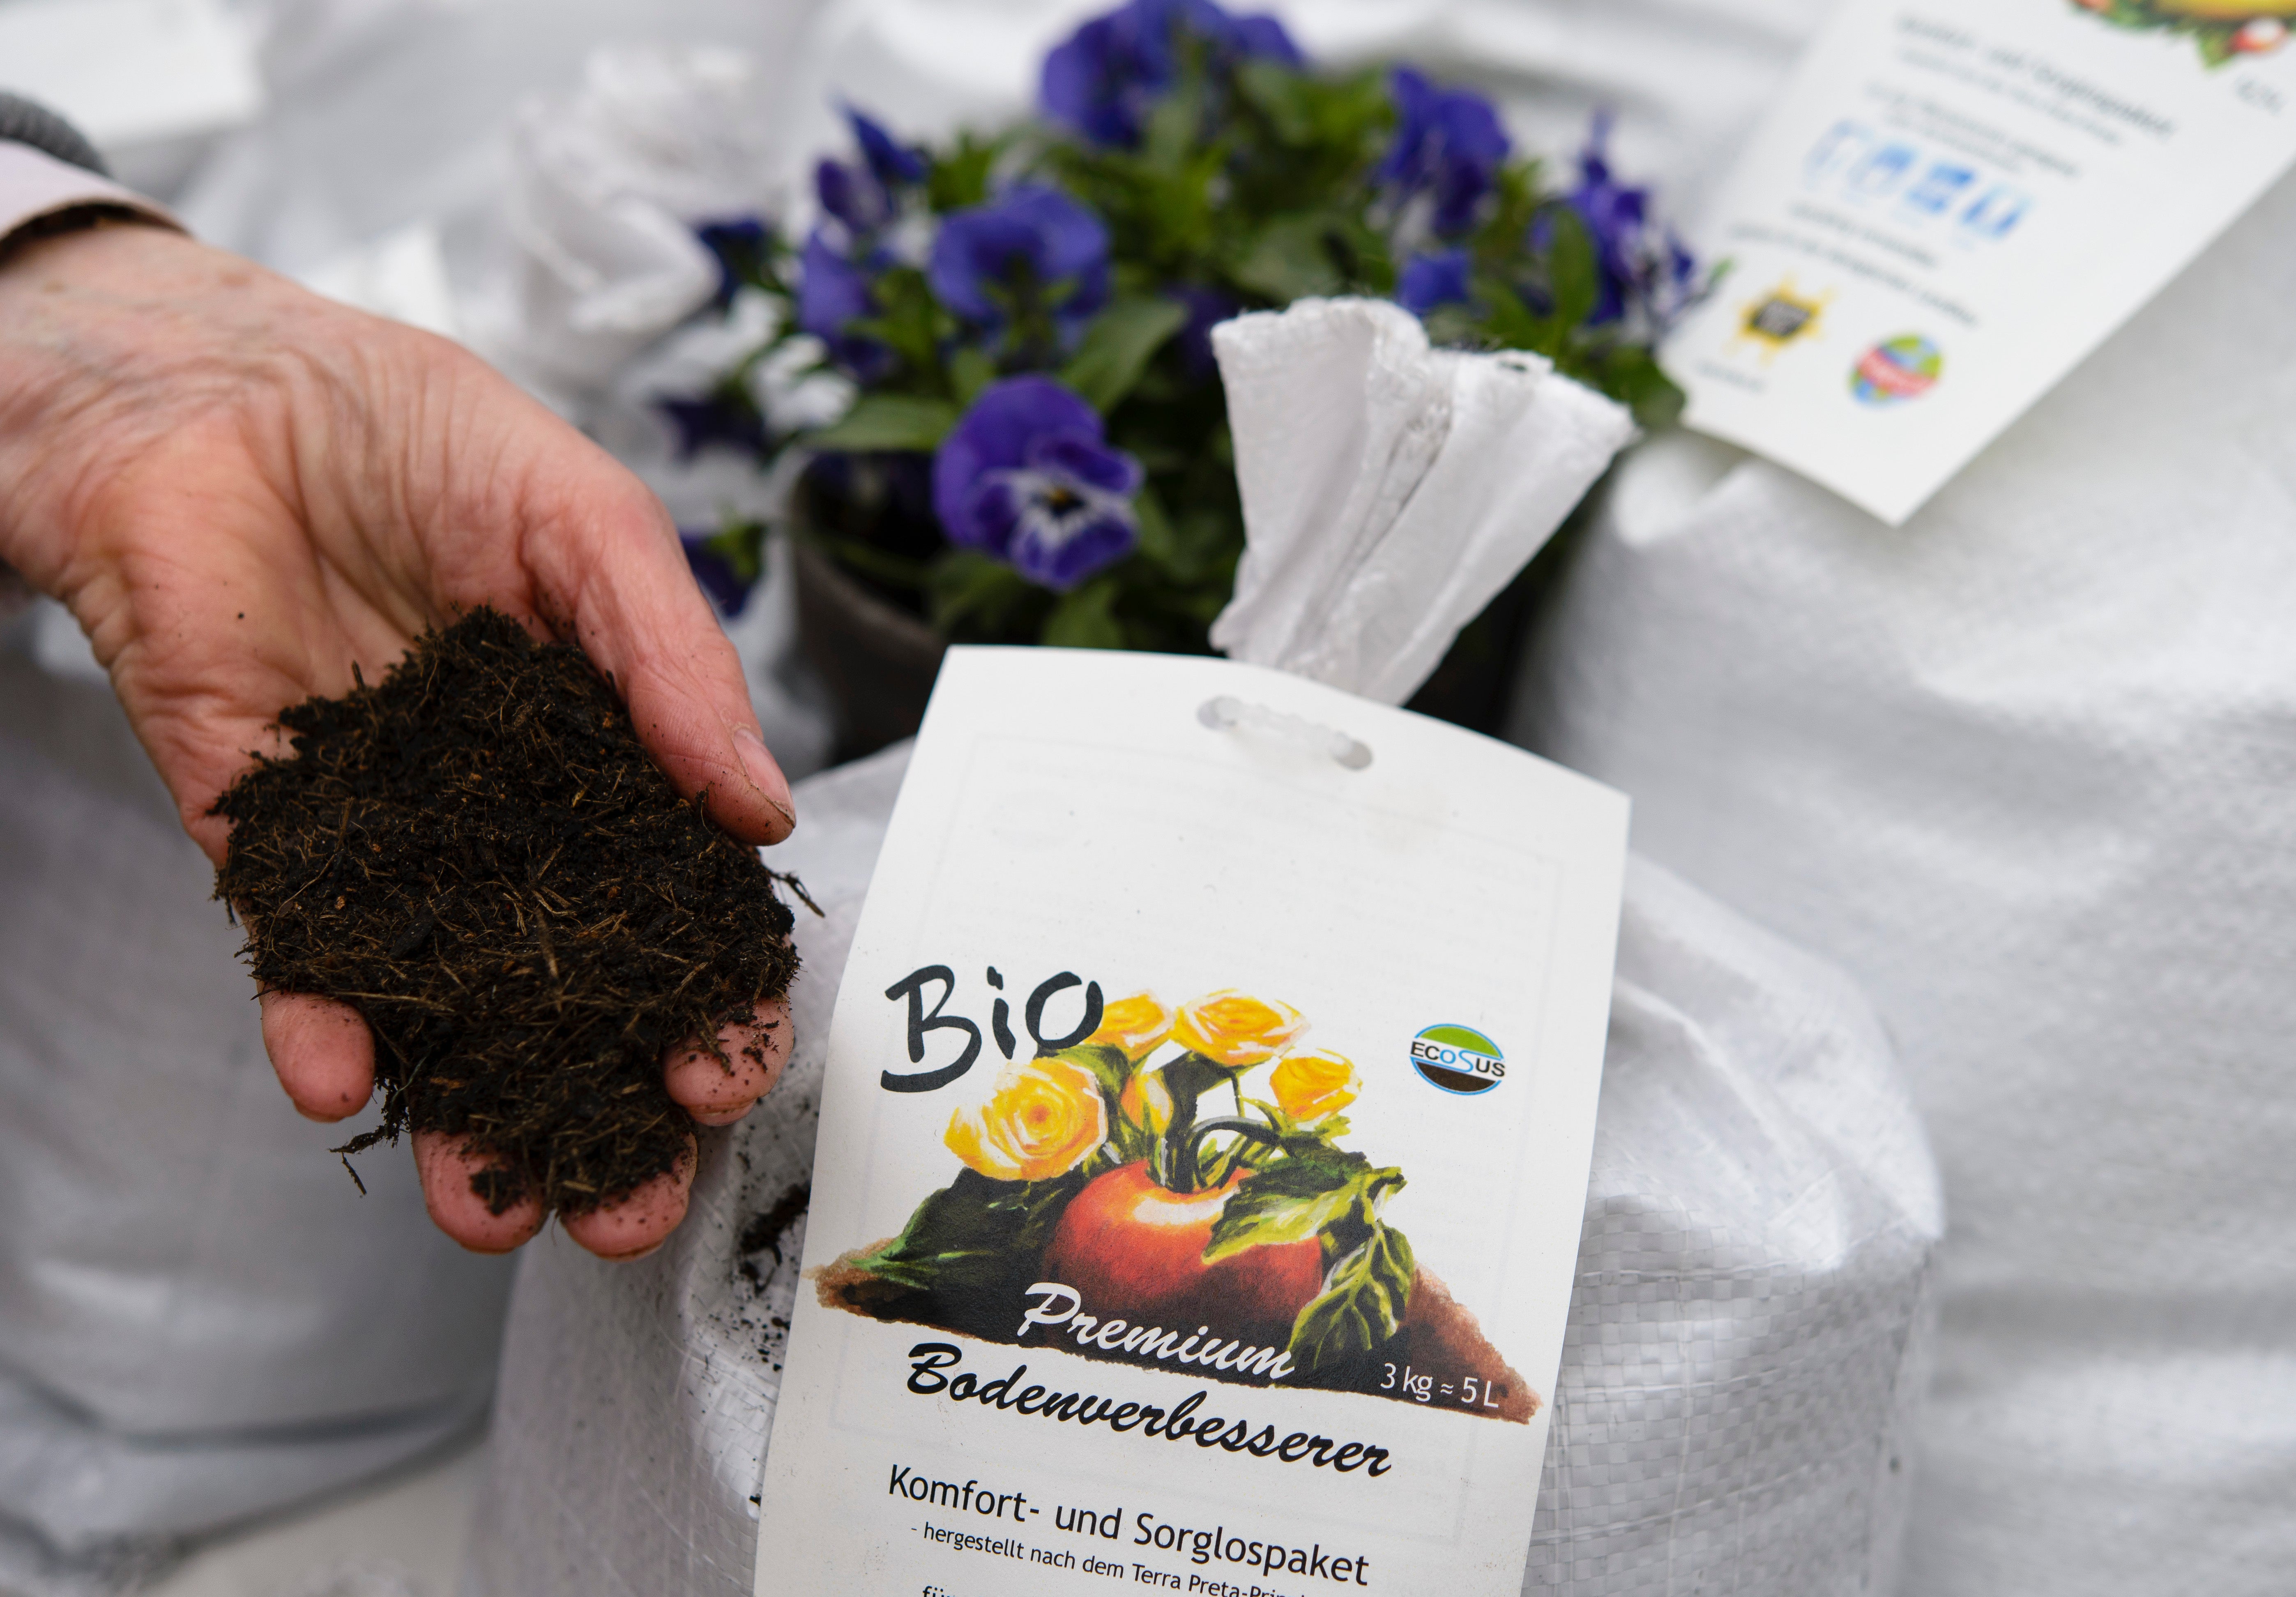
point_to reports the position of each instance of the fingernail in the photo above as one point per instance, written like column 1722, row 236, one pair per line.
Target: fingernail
column 763, row 772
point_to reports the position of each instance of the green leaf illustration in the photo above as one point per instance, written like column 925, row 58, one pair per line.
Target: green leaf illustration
column 973, row 1233
column 1291, row 1200
column 1365, row 1295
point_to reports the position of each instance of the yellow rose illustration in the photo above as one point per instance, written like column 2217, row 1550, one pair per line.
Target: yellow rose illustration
column 1146, row 1102
column 1137, row 1025
column 1235, row 1029
column 1043, row 1120
column 1314, row 1083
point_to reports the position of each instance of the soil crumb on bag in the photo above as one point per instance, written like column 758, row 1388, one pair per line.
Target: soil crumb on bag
column 477, row 856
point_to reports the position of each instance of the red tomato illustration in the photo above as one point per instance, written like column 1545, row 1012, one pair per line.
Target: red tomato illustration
column 1134, row 1250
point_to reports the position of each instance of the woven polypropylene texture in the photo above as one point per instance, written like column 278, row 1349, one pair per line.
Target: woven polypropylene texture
column 201, row 1319
column 2024, row 767
column 1747, row 1336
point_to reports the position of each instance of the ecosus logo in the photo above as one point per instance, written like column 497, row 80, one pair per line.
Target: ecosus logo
column 1458, row 1059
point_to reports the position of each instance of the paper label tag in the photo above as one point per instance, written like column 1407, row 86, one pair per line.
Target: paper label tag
column 1203, row 1148
column 1955, row 202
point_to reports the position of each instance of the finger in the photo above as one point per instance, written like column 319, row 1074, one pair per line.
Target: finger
column 633, row 1226
column 323, row 1052
column 447, row 1165
column 718, row 1092
column 607, row 565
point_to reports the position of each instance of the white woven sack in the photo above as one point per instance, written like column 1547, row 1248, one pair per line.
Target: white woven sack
column 1747, row 1337
column 2026, row 767
column 200, row 1318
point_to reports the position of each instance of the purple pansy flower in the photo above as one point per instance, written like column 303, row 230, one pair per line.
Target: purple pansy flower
column 893, row 164
column 1448, row 142
column 1027, row 476
column 1638, row 273
column 1029, row 238
column 1428, row 281
column 866, row 197
column 834, row 277
column 1104, row 79
column 832, row 294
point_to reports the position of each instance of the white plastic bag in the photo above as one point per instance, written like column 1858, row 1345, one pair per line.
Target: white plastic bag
column 1390, row 489
column 2024, row 767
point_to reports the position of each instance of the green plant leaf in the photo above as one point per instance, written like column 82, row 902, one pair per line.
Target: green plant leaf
column 1288, row 259
column 1366, row 1296
column 971, row 594
column 1085, row 618
column 971, row 369
column 911, row 322
column 1118, row 347
column 859, row 555
column 1572, row 270
column 740, row 544
column 890, row 422
column 960, row 178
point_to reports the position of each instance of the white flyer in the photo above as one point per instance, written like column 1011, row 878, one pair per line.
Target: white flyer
column 1954, row 202
column 1203, row 1148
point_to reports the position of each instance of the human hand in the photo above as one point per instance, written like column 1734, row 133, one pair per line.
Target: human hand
column 241, row 490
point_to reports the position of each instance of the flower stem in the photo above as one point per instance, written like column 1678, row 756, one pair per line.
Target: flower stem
column 1184, row 1156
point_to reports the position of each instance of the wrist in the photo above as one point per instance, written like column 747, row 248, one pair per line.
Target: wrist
column 53, row 184
column 95, row 322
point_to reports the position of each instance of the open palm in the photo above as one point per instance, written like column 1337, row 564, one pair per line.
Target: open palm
column 242, row 491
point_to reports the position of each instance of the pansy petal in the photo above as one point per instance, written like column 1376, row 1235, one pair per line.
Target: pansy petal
column 830, row 290
column 1098, row 542
column 988, row 514
column 1428, row 281
column 892, row 163
column 1264, row 36
column 1085, row 458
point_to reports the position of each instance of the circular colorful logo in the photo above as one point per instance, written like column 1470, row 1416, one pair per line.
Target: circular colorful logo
column 1458, row 1059
column 1897, row 370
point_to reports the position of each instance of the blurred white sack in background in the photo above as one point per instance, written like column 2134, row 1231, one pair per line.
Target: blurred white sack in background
column 401, row 275
column 152, row 82
column 2023, row 765
column 604, row 193
column 201, row 1319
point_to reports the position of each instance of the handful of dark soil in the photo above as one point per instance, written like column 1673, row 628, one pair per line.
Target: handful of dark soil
column 477, row 856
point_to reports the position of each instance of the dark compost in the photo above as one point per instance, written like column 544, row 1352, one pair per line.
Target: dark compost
column 477, row 854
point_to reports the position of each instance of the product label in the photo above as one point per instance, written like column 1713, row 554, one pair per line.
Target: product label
column 1955, row 202
column 1203, row 1148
